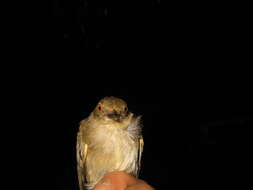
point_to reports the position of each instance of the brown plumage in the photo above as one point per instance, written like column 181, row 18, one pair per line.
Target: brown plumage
column 108, row 140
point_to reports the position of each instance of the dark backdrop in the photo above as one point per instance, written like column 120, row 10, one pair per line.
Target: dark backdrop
column 181, row 66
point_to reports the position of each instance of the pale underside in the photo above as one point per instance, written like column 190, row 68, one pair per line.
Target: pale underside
column 104, row 148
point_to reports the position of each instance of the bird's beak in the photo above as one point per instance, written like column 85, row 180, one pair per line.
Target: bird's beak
column 115, row 116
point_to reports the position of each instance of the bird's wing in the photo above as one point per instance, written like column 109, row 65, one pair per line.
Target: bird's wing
column 81, row 154
column 141, row 146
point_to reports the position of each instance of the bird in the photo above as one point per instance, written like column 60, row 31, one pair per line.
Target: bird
column 109, row 139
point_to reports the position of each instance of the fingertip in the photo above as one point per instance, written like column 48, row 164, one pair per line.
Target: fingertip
column 105, row 185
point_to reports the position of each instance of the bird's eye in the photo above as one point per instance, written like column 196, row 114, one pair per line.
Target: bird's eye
column 125, row 109
column 99, row 108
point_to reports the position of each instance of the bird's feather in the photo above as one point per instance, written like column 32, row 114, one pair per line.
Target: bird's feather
column 141, row 146
column 81, row 154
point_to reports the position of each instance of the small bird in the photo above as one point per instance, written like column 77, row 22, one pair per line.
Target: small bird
column 109, row 139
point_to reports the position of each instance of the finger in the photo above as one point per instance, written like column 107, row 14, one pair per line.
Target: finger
column 141, row 185
column 112, row 181
column 104, row 185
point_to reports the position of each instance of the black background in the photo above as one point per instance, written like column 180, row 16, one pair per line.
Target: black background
column 182, row 66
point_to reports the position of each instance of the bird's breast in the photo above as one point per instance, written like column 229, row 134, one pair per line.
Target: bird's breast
column 111, row 149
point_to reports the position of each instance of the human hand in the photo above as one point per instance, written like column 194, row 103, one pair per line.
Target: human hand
column 121, row 181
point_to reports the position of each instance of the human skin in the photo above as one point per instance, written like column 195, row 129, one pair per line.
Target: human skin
column 121, row 181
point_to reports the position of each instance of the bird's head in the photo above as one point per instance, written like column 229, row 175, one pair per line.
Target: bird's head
column 111, row 108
